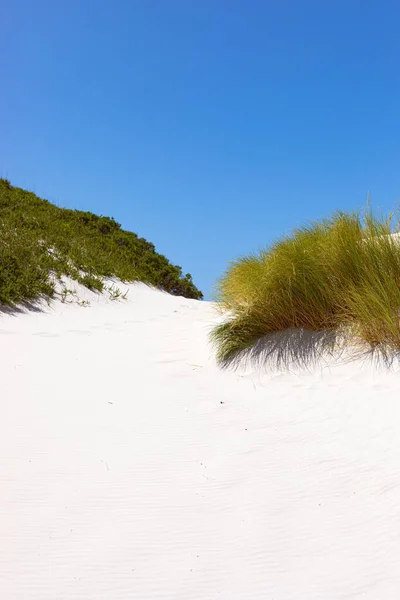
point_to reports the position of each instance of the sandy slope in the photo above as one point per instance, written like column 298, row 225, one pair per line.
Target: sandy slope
column 132, row 468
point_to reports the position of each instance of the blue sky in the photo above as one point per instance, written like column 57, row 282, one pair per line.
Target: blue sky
column 210, row 127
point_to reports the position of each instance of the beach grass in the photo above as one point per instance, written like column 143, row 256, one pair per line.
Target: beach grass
column 339, row 275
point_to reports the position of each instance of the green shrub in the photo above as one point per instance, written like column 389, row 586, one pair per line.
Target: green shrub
column 39, row 240
column 341, row 275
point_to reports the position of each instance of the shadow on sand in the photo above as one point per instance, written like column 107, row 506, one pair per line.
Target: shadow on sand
column 300, row 349
column 22, row 308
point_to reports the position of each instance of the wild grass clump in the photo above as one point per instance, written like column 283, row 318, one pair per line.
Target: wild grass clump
column 40, row 242
column 338, row 278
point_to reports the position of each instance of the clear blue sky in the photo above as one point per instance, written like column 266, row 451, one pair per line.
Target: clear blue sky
column 210, row 127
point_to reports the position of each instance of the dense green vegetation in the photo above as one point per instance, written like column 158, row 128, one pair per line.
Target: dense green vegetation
column 40, row 242
column 341, row 275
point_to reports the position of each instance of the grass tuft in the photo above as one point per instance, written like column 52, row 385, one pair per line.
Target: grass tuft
column 338, row 278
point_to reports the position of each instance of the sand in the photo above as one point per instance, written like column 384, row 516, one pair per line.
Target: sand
column 131, row 467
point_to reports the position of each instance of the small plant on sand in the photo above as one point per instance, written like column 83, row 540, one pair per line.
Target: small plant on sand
column 339, row 276
column 84, row 303
column 115, row 293
column 66, row 293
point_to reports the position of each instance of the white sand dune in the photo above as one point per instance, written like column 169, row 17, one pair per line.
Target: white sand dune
column 131, row 467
